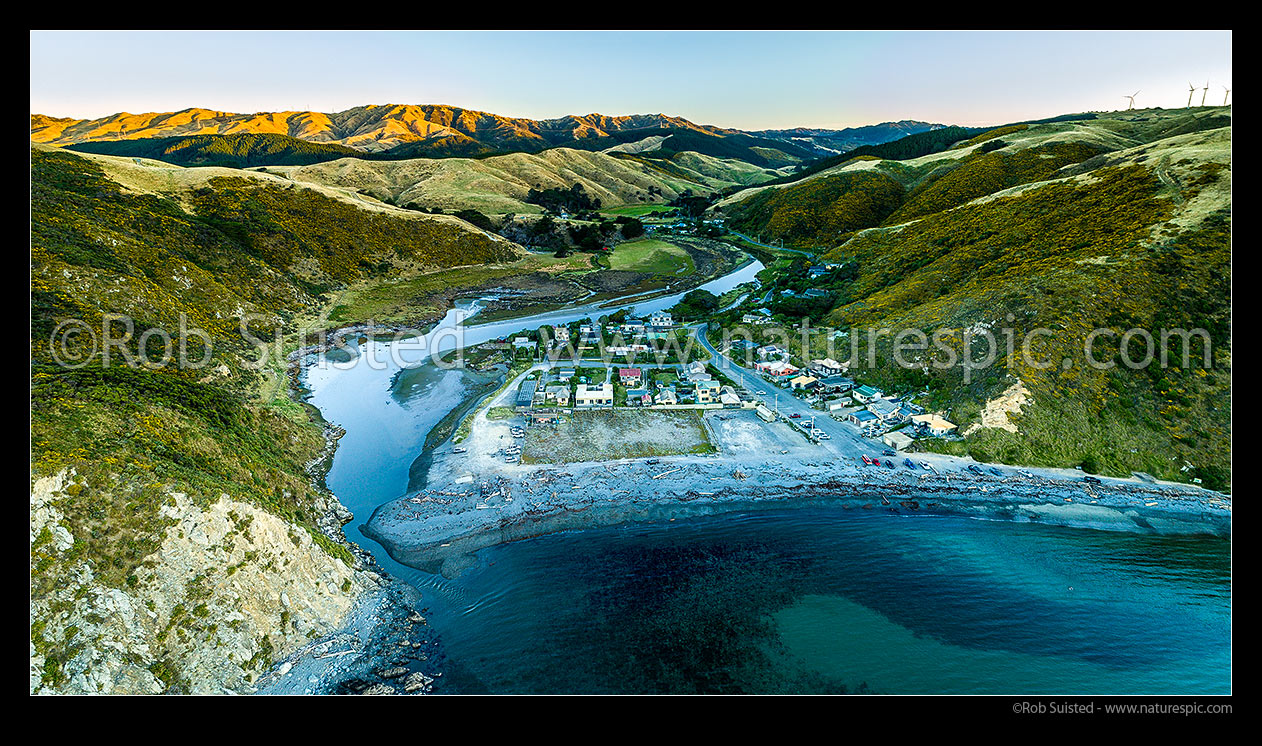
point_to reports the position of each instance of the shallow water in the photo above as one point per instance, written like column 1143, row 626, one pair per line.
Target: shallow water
column 824, row 600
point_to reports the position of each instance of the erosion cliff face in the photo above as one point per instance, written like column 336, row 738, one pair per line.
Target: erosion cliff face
column 229, row 590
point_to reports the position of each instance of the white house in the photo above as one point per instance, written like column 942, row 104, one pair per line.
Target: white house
column 594, row 395
column 661, row 319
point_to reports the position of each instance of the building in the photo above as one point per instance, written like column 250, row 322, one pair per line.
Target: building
column 766, row 414
column 639, row 398
column 631, row 377
column 561, row 333
column 661, row 319
column 708, row 392
column 666, row 396
column 695, row 368
column 933, row 424
column 886, row 410
column 863, row 418
column 816, row 272
column 526, row 394
column 772, row 351
column 565, row 374
column 816, row 293
column 755, row 318
column 897, row 440
column 729, row 397
column 826, row 367
column 523, row 343
column 866, row 394
column 776, row 369
column 594, row 395
column 803, row 382
column 633, row 327
column 559, row 393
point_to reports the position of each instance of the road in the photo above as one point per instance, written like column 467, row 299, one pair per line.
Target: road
column 807, row 254
column 844, row 439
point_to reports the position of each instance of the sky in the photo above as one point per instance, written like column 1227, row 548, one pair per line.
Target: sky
column 745, row 80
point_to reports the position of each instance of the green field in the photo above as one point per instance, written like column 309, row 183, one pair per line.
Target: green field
column 636, row 211
column 651, row 255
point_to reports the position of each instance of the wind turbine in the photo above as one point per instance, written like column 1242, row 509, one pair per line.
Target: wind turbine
column 1132, row 98
column 1204, row 92
column 1226, row 93
column 1191, row 90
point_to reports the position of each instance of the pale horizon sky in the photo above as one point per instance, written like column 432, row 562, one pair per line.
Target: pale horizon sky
column 745, row 80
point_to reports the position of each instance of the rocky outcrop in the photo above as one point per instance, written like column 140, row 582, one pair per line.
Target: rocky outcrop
column 231, row 589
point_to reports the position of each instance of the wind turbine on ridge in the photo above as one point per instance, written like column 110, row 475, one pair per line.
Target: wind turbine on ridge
column 1226, row 93
column 1191, row 90
column 1204, row 92
column 1132, row 98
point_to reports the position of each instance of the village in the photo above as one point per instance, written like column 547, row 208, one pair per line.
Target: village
column 626, row 365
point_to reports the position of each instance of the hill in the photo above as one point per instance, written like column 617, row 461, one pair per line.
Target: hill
column 370, row 128
column 499, row 184
column 232, row 151
column 180, row 540
column 1117, row 222
column 825, row 141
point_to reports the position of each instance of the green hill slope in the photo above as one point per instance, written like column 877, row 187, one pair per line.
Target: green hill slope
column 122, row 451
column 1084, row 228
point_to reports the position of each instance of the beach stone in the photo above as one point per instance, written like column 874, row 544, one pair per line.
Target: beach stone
column 392, row 673
column 378, row 689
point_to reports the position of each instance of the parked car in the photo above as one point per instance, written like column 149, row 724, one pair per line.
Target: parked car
column 795, row 416
column 1091, row 480
column 995, row 470
column 975, row 468
column 888, row 452
column 909, row 463
column 889, row 464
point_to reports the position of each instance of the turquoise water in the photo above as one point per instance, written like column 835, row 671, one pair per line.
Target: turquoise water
column 826, row 600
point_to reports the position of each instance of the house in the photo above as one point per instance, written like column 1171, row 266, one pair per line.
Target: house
column 633, row 327
column 897, row 440
column 863, row 417
column 565, row 374
column 885, row 410
column 588, row 335
column 707, row 392
column 730, row 398
column 631, row 377
column 771, row 351
column 526, row 394
column 816, row 293
column 803, row 382
column 826, row 367
column 755, row 318
column 561, row 333
column 817, row 271
column 776, row 369
column 695, row 368
column 933, row 424
column 866, row 394
column 558, row 393
column 594, row 395
column 523, row 343
column 639, row 398
column 666, row 396
column 661, row 319
column 766, row 414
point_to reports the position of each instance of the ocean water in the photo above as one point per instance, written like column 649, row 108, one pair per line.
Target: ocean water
column 828, row 600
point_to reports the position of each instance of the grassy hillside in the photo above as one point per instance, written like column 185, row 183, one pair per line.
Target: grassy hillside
column 233, row 151
column 500, row 184
column 1114, row 223
column 235, row 251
